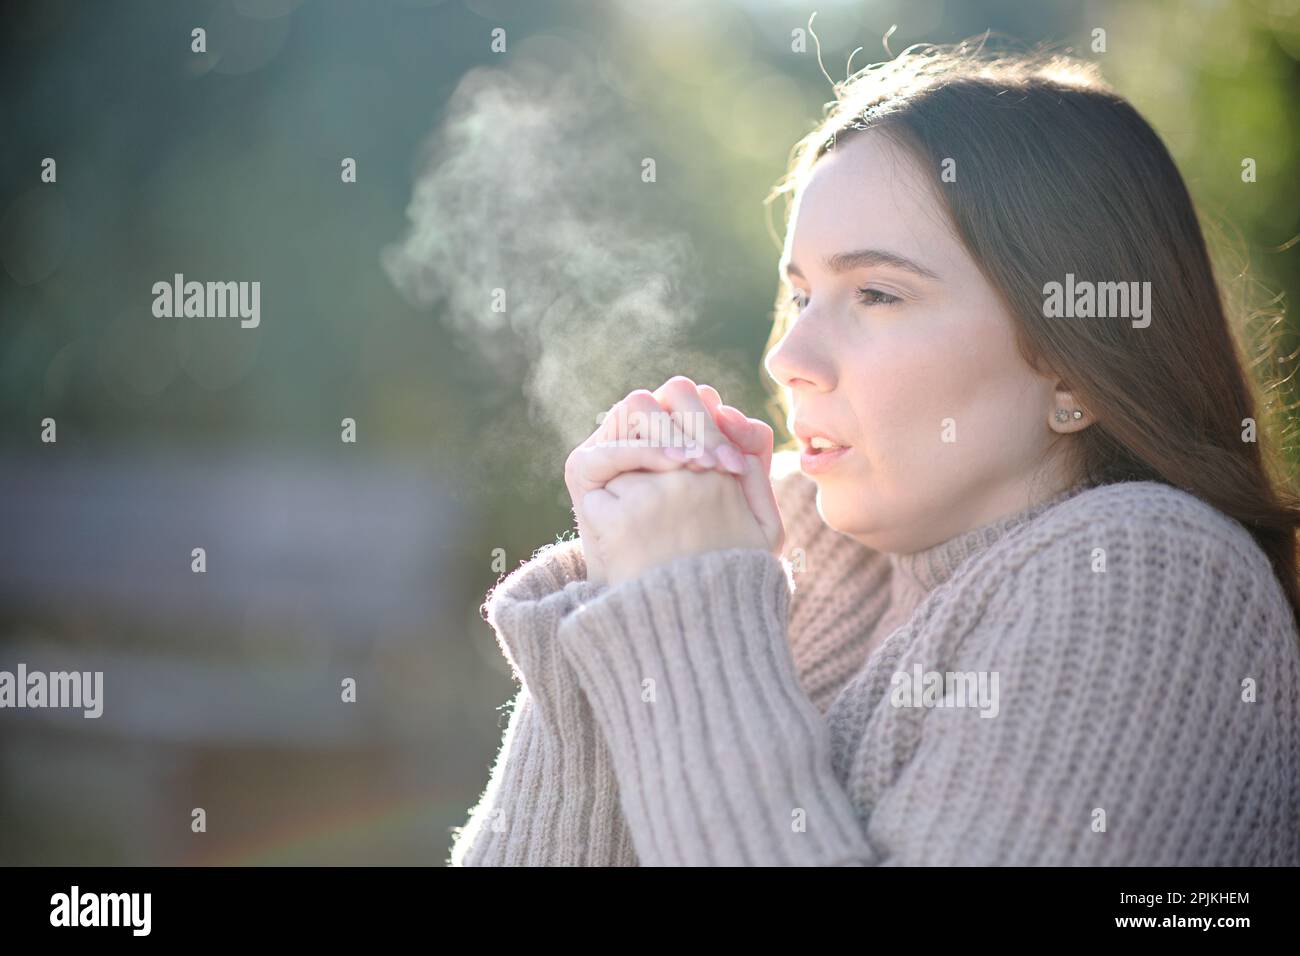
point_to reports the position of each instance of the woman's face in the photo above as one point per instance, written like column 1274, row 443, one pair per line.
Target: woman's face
column 903, row 357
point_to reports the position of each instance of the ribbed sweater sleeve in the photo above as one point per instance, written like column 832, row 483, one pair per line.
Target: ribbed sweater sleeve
column 721, row 757
column 552, row 798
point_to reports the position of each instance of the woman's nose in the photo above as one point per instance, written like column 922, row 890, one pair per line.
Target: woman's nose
column 797, row 362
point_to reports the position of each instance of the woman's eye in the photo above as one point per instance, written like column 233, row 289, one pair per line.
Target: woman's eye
column 870, row 296
column 867, row 296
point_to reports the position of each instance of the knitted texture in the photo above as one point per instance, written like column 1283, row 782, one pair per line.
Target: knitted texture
column 1108, row 677
column 552, row 799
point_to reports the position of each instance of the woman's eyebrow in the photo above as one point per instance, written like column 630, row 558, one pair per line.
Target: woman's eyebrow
column 844, row 261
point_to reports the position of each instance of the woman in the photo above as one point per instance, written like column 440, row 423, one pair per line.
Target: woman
column 1029, row 597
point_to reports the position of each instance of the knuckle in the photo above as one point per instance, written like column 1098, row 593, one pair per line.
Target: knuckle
column 571, row 463
column 678, row 384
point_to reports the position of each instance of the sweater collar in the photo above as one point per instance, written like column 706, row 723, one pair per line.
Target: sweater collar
column 933, row 566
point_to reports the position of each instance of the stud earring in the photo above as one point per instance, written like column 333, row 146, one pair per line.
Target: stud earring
column 1062, row 415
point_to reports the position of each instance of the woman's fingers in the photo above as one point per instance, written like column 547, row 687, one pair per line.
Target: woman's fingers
column 751, row 436
column 680, row 396
column 590, row 467
column 679, row 419
column 710, row 397
column 639, row 416
column 635, row 412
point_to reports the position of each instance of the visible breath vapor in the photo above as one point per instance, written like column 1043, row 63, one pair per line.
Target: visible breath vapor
column 525, row 186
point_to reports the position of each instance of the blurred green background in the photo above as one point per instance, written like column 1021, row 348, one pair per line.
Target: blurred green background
column 523, row 171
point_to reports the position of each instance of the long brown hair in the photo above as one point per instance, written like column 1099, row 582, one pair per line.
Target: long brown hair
column 1053, row 173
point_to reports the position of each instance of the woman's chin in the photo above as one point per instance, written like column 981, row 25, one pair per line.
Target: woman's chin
column 837, row 514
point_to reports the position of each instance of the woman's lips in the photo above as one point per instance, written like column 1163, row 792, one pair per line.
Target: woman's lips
column 815, row 461
column 821, row 451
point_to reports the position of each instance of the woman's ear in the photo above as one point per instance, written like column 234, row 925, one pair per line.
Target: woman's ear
column 1067, row 414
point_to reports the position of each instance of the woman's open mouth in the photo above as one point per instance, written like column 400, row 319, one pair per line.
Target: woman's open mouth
column 820, row 454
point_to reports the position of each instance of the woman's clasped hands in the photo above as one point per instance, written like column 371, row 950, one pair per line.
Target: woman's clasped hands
column 671, row 473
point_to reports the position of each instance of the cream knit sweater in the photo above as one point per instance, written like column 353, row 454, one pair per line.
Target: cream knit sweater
column 1140, row 677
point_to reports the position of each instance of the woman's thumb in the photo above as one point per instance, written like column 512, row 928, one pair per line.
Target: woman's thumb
column 761, row 498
